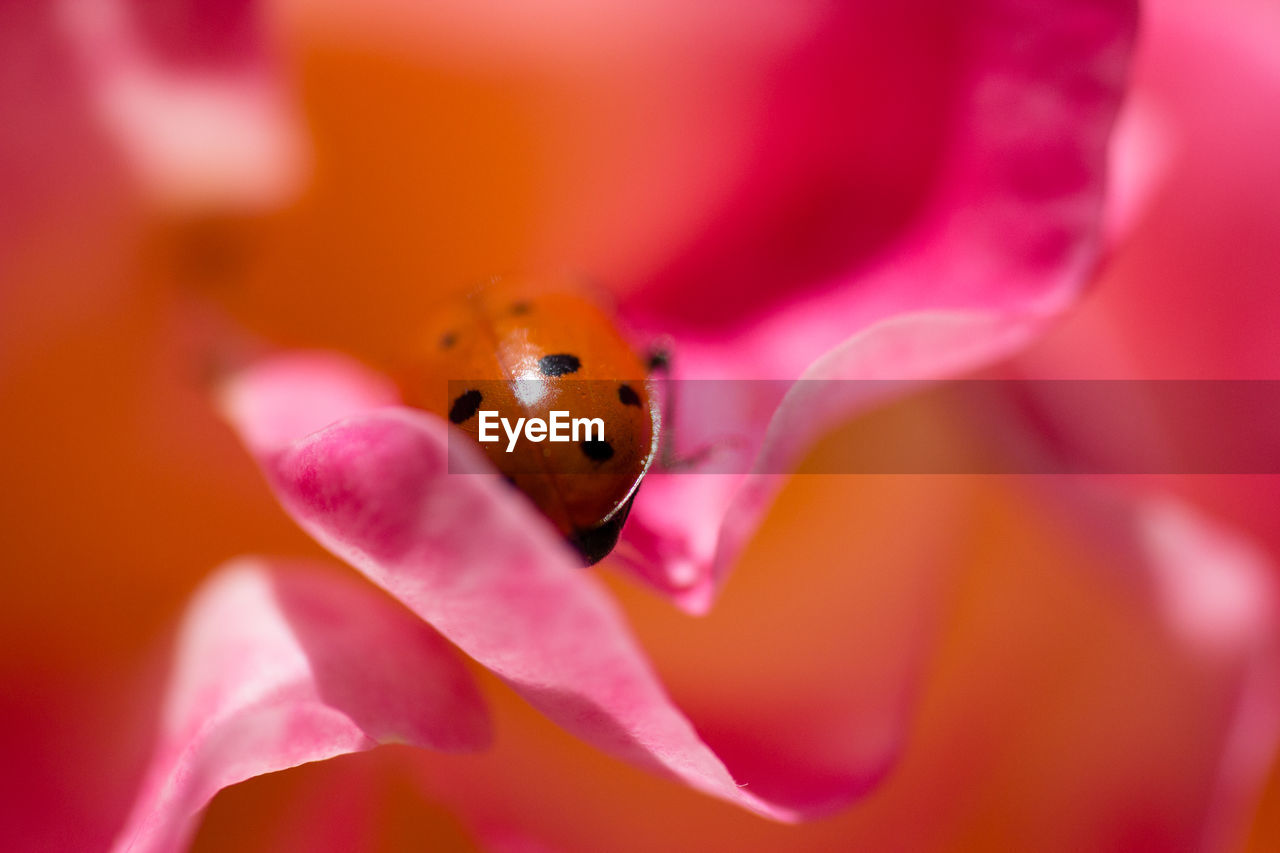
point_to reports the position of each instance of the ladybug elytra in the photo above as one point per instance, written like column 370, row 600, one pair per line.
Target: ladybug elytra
column 526, row 349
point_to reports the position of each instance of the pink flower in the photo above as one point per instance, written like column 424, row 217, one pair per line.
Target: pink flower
column 787, row 190
column 1190, row 291
column 909, row 201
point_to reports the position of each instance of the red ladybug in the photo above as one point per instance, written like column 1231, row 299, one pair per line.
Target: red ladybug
column 525, row 348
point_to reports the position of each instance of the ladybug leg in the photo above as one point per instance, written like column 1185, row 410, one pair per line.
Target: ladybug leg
column 659, row 363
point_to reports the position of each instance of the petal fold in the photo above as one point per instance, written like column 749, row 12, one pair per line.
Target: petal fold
column 686, row 529
column 1008, row 228
column 281, row 665
column 1008, row 219
column 428, row 520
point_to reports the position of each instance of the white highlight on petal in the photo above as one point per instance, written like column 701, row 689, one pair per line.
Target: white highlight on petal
column 1215, row 589
column 228, row 136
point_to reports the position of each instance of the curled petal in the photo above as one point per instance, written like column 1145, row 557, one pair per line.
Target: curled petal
column 430, row 522
column 671, row 536
column 1008, row 207
column 910, row 348
column 1136, row 709
column 1190, row 292
column 687, row 529
column 1008, row 230
column 295, row 395
column 280, row 666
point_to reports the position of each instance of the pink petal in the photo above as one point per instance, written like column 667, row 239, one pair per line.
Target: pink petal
column 910, row 348
column 1007, row 214
column 113, row 109
column 300, row 393
column 686, row 529
column 1009, row 230
column 280, row 666
column 672, row 535
column 427, row 520
column 191, row 96
column 1141, row 154
column 1216, row 594
column 1190, row 292
column 58, row 172
column 1106, row 681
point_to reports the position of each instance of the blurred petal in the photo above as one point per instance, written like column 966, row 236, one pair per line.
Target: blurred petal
column 430, row 522
column 835, row 165
column 191, row 96
column 671, row 537
column 1204, row 83
column 692, row 526
column 291, row 396
column 1215, row 595
column 1007, row 221
column 359, row 802
column 1105, row 680
column 1190, row 291
column 1141, row 154
column 59, row 174
column 277, row 667
column 1218, row 592
column 755, row 178
column 1009, row 230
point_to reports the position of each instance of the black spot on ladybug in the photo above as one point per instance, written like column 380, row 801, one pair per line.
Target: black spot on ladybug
column 465, row 406
column 628, row 395
column 447, row 340
column 559, row 364
column 519, row 309
column 597, row 450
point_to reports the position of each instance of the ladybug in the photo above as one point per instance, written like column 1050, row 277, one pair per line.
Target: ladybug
column 525, row 348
